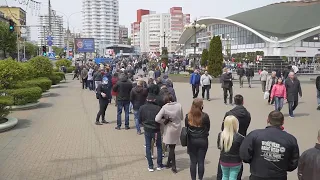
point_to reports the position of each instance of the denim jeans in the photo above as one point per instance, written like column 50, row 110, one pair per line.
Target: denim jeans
column 148, row 138
column 136, row 120
column 123, row 105
column 292, row 106
column 278, row 103
column 318, row 97
column 230, row 173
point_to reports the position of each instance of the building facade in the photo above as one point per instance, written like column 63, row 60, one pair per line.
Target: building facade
column 101, row 21
column 157, row 30
column 56, row 29
column 123, row 35
column 17, row 14
column 135, row 27
column 3, row 18
column 297, row 37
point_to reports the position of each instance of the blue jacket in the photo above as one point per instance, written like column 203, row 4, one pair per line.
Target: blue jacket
column 195, row 79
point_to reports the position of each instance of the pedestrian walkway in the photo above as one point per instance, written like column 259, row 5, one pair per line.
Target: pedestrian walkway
column 59, row 140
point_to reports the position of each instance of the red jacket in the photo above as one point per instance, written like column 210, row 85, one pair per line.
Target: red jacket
column 279, row 90
column 114, row 81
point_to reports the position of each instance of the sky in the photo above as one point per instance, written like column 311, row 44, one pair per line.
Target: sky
column 127, row 9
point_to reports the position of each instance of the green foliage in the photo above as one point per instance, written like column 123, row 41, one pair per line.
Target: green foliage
column 55, row 69
column 164, row 56
column 42, row 66
column 63, row 62
column 24, row 96
column 215, row 57
column 55, row 79
column 43, row 83
column 204, row 57
column 8, row 40
column 303, row 60
column 61, row 74
column 5, row 101
column 10, row 73
column 285, row 58
column 29, row 70
column 58, row 51
column 71, row 69
column 31, row 50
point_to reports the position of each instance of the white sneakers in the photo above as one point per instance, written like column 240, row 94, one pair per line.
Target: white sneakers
column 150, row 170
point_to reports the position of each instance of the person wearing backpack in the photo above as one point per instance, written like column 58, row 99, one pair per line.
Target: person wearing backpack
column 103, row 94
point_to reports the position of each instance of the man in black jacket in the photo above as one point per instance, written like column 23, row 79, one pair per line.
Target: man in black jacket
column 241, row 73
column 271, row 152
column 138, row 97
column 147, row 114
column 318, row 91
column 123, row 87
column 249, row 75
column 244, row 118
column 226, row 84
column 293, row 90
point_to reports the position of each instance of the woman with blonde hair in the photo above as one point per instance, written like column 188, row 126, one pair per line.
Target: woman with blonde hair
column 198, row 125
column 229, row 142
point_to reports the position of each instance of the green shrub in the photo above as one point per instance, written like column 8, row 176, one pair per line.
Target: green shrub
column 63, row 62
column 71, row 69
column 43, row 83
column 56, row 69
column 42, row 66
column 24, row 96
column 10, row 73
column 55, row 79
column 61, row 74
column 5, row 101
column 30, row 71
column 215, row 57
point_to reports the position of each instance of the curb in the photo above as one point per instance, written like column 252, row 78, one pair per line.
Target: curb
column 55, row 86
column 12, row 122
column 25, row 107
column 46, row 94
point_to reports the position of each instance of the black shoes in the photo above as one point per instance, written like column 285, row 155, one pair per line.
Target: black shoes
column 127, row 128
column 98, row 123
column 104, row 122
column 117, row 128
column 174, row 170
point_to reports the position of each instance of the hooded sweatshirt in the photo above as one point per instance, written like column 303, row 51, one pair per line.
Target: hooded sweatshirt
column 138, row 97
column 243, row 116
column 123, row 87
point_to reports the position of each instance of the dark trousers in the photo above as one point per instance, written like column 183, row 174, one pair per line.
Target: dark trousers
column 225, row 94
column 103, row 104
column 263, row 86
column 123, row 105
column 84, row 83
column 258, row 178
column 172, row 156
column 271, row 101
column 149, row 136
column 90, row 84
column 76, row 75
column 219, row 173
column 197, row 150
column 204, row 89
column 292, row 106
column 195, row 90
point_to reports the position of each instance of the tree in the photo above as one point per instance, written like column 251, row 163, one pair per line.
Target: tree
column 8, row 40
column 215, row 58
column 164, row 56
column 31, row 50
column 58, row 51
column 204, row 57
column 42, row 66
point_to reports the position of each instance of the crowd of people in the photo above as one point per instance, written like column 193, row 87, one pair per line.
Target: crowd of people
column 270, row 152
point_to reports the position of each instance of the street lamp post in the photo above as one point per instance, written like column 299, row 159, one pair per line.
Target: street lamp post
column 196, row 27
column 164, row 36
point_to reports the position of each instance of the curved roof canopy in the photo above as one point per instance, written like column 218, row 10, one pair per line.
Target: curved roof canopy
column 286, row 21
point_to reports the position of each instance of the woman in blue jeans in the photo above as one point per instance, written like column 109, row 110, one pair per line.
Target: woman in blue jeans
column 229, row 142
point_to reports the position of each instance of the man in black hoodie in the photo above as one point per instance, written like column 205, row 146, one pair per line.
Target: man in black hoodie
column 123, row 87
column 138, row 97
column 147, row 114
column 226, row 85
column 244, row 118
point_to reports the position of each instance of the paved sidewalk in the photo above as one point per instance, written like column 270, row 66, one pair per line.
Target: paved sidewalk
column 59, row 140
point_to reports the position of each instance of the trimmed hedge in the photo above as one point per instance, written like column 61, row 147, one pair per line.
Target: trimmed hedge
column 43, row 83
column 61, row 74
column 5, row 101
column 71, row 69
column 24, row 96
column 55, row 79
column 42, row 66
column 11, row 72
column 63, row 62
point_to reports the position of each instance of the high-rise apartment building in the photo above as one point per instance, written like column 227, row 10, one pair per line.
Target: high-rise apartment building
column 101, row 21
column 17, row 14
column 123, row 35
column 152, row 31
column 56, row 30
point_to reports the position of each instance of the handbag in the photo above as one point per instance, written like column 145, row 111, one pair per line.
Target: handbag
column 266, row 95
column 184, row 137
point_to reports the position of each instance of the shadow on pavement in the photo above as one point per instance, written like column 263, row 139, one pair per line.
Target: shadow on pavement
column 54, row 95
column 214, row 177
column 184, row 163
column 45, row 105
column 297, row 115
column 22, row 124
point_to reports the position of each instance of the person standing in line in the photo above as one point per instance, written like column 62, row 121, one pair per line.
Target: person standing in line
column 205, row 82
column 318, row 91
column 151, row 74
column 249, row 75
column 241, row 73
column 271, row 152
column 103, row 92
column 123, row 88
column 147, row 115
column 170, row 116
column 279, row 94
column 293, row 92
column 138, row 96
column 263, row 79
column 309, row 163
column 226, row 84
column 285, row 73
column 229, row 142
column 114, row 81
column 84, row 77
column 157, row 72
column 198, row 125
column 90, row 79
column 271, row 80
column 195, row 83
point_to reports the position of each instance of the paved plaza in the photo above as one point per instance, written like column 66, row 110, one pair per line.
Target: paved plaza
column 59, row 140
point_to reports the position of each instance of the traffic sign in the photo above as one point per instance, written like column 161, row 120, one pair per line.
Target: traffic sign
column 50, row 43
column 49, row 38
column 52, row 55
column 65, row 48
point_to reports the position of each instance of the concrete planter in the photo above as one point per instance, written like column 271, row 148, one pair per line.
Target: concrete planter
column 25, row 107
column 9, row 124
column 46, row 94
column 55, row 86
